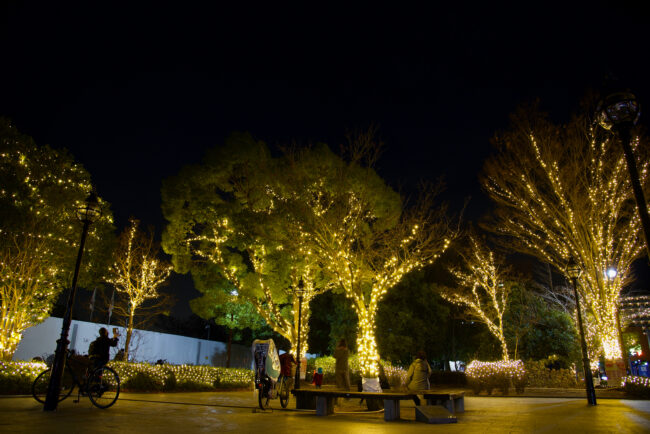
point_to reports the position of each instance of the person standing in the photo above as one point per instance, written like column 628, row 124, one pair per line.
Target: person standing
column 99, row 348
column 342, row 370
column 417, row 377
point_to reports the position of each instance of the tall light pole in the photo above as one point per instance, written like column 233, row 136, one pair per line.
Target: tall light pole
column 573, row 270
column 619, row 112
column 87, row 213
column 300, row 292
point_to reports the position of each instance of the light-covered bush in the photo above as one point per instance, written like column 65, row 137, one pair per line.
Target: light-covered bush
column 396, row 375
column 145, row 377
column 16, row 378
column 541, row 376
column 496, row 375
column 636, row 386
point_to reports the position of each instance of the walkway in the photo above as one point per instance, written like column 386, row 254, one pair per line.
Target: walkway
column 234, row 411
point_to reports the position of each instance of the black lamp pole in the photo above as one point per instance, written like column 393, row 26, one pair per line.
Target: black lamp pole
column 87, row 214
column 300, row 292
column 620, row 112
column 574, row 271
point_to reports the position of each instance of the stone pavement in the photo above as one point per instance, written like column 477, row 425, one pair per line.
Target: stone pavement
column 187, row 413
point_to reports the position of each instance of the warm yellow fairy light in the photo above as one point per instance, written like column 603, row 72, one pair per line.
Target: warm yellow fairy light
column 483, row 288
column 137, row 272
column 31, row 272
column 565, row 192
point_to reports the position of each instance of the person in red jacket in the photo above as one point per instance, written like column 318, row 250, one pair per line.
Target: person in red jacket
column 286, row 362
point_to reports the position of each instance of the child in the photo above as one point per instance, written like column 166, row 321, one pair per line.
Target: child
column 318, row 378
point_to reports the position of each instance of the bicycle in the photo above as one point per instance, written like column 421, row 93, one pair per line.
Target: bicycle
column 101, row 385
column 267, row 362
column 281, row 390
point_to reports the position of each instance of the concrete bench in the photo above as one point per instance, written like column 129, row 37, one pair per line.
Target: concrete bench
column 454, row 401
column 325, row 400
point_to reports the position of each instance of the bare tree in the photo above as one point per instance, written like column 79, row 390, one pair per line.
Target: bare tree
column 483, row 288
column 137, row 273
column 563, row 191
column 560, row 296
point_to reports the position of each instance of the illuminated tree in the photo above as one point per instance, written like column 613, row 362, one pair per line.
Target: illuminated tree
column 138, row 274
column 40, row 189
column 222, row 305
column 361, row 231
column 223, row 221
column 563, row 191
column 483, row 287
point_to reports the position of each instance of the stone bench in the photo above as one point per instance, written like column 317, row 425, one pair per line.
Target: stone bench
column 325, row 400
column 454, row 401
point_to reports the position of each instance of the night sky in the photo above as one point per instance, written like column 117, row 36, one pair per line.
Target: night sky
column 136, row 92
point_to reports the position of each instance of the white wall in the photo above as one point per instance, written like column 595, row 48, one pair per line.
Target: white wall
column 145, row 346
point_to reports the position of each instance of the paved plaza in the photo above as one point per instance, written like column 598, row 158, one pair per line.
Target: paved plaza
column 235, row 412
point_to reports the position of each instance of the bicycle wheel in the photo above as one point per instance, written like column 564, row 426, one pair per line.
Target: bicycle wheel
column 103, row 387
column 39, row 386
column 284, row 393
column 262, row 398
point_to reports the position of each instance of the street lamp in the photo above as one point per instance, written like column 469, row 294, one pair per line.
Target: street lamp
column 573, row 270
column 300, row 292
column 611, row 273
column 87, row 213
column 619, row 112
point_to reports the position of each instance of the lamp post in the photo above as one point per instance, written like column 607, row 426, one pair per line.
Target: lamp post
column 619, row 112
column 87, row 213
column 573, row 270
column 300, row 292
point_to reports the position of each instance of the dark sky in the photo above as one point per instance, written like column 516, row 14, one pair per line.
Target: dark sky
column 135, row 92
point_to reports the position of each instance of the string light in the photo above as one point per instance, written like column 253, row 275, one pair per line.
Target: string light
column 137, row 272
column 483, row 288
column 47, row 188
column 566, row 193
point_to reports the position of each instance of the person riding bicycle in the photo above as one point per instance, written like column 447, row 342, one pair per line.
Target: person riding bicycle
column 99, row 348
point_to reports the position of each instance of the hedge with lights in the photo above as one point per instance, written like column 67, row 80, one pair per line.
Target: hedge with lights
column 17, row 377
column 496, row 375
column 396, row 375
column 636, row 386
column 538, row 375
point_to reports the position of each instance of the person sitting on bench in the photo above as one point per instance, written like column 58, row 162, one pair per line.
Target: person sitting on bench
column 417, row 377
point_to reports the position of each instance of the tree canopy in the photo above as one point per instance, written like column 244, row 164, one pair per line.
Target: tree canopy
column 40, row 190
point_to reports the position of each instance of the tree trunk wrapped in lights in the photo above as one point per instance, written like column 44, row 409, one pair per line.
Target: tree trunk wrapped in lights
column 138, row 274
column 483, row 288
column 564, row 191
column 357, row 225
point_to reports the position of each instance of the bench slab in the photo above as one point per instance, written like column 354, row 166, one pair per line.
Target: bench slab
column 325, row 400
column 434, row 414
column 452, row 401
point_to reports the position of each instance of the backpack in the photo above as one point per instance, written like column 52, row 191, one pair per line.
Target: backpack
column 92, row 348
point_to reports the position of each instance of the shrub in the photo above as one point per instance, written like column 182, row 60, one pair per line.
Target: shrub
column 180, row 377
column 396, row 375
column 500, row 375
column 16, row 378
column 142, row 382
column 638, row 387
column 539, row 375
